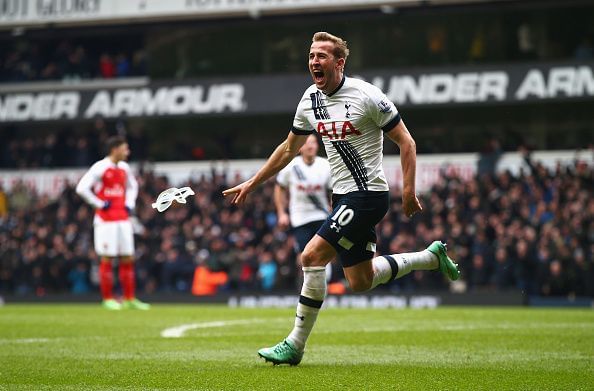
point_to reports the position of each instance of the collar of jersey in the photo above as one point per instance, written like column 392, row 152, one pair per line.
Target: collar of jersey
column 337, row 88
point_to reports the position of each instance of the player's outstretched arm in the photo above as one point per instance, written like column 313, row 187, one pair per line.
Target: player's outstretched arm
column 408, row 158
column 282, row 155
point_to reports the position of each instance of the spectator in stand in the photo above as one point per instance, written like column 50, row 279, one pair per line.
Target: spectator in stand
column 107, row 67
column 502, row 277
column 20, row 198
column 584, row 51
column 30, row 60
column 122, row 65
column 77, row 65
column 3, row 203
column 72, row 149
column 267, row 271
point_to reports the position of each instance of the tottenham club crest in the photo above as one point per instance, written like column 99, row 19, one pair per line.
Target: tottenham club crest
column 384, row 107
column 347, row 106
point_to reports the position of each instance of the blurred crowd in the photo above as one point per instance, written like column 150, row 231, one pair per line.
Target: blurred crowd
column 69, row 147
column 28, row 60
column 533, row 232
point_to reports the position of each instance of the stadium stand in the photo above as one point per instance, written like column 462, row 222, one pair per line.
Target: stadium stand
column 532, row 232
column 25, row 60
column 67, row 147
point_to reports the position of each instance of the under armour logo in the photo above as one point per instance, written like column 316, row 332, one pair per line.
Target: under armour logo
column 300, row 317
column 335, row 227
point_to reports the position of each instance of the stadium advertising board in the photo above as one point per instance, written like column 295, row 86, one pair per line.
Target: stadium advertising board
column 280, row 94
column 18, row 13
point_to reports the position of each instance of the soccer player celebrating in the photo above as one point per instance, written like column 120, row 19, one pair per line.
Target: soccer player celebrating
column 352, row 117
column 111, row 189
column 305, row 182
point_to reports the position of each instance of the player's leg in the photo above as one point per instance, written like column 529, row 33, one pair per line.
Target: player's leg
column 104, row 238
column 390, row 267
column 383, row 269
column 316, row 255
column 126, row 270
column 106, row 284
column 303, row 234
column 302, row 237
column 352, row 232
column 355, row 226
column 128, row 282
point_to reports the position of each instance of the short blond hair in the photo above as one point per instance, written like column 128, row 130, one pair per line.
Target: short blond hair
column 340, row 45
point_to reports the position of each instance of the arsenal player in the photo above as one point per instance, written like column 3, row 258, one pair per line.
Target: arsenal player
column 111, row 189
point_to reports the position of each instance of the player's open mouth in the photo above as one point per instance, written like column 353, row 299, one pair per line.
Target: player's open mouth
column 318, row 76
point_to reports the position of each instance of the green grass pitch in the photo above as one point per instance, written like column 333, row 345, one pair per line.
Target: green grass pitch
column 66, row 347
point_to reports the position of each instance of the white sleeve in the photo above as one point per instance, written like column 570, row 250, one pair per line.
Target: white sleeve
column 328, row 174
column 382, row 110
column 131, row 188
column 86, row 184
column 282, row 178
column 301, row 125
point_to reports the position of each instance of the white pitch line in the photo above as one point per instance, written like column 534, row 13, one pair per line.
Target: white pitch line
column 24, row 340
column 178, row 331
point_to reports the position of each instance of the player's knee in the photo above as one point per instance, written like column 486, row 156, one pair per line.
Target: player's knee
column 360, row 284
column 308, row 258
column 311, row 257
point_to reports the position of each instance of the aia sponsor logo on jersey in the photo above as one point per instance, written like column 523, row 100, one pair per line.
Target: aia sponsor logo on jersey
column 309, row 189
column 337, row 130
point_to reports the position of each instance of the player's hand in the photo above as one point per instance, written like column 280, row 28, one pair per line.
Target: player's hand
column 410, row 204
column 106, row 205
column 239, row 192
column 283, row 221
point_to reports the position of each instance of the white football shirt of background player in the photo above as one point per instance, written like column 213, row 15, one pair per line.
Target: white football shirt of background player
column 308, row 186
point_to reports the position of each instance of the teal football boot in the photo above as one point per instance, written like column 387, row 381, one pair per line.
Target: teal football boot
column 446, row 265
column 282, row 353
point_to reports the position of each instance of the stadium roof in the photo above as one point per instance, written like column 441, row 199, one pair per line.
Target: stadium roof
column 64, row 13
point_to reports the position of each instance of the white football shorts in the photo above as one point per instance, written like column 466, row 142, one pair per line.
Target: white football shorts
column 114, row 238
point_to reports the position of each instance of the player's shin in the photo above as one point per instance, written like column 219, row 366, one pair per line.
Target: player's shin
column 312, row 296
column 127, row 278
column 390, row 267
column 106, row 278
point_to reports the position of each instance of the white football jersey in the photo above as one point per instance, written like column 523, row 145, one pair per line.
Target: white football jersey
column 308, row 187
column 351, row 122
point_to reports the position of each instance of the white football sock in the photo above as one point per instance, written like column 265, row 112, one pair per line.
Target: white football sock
column 312, row 296
column 328, row 271
column 390, row 267
column 382, row 271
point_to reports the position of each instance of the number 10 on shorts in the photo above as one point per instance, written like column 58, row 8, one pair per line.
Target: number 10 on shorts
column 343, row 216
